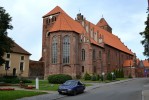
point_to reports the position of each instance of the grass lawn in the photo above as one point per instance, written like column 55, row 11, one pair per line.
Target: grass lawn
column 16, row 94
column 45, row 85
column 89, row 81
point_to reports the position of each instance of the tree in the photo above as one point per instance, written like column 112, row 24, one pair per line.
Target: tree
column 145, row 35
column 6, row 43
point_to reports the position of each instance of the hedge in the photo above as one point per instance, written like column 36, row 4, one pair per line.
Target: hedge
column 58, row 78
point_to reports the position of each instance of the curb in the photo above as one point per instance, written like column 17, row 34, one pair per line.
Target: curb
column 117, row 82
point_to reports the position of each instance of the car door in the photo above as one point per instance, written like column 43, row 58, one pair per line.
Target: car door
column 80, row 87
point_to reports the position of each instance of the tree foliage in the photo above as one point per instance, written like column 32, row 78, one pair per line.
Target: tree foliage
column 6, row 43
column 145, row 35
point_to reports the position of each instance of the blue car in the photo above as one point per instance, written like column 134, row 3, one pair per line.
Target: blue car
column 72, row 87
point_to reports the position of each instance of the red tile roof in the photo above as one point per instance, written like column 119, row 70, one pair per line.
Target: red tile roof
column 146, row 63
column 57, row 9
column 128, row 63
column 114, row 41
column 65, row 23
column 18, row 49
column 110, row 39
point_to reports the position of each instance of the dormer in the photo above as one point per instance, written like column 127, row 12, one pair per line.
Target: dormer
column 100, row 39
column 104, row 25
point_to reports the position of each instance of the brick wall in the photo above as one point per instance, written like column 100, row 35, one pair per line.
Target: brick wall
column 36, row 69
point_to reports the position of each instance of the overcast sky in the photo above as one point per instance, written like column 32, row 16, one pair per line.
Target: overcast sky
column 126, row 17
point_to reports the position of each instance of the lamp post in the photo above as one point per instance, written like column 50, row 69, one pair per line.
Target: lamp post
column 103, row 76
column 112, row 73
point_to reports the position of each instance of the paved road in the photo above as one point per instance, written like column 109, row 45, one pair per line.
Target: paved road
column 131, row 90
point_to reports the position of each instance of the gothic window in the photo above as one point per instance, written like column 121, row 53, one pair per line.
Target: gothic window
column 94, row 54
column 108, row 56
column 82, row 69
column 54, row 50
column 47, row 21
column 83, row 55
column 53, row 18
column 66, row 49
column 94, row 69
column 100, row 55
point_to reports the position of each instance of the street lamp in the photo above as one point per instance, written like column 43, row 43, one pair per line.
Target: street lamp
column 103, row 76
column 112, row 74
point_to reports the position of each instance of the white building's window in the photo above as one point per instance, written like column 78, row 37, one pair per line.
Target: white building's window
column 22, row 57
column 8, row 55
column 7, row 64
column 21, row 66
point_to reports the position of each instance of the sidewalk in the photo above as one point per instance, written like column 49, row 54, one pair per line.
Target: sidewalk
column 145, row 93
column 55, row 95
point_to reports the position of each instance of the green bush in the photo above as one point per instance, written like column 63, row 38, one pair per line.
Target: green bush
column 110, row 77
column 94, row 77
column 10, row 79
column 58, row 78
column 13, row 80
column 87, row 76
column 98, row 77
column 129, row 76
column 26, row 81
column 78, row 76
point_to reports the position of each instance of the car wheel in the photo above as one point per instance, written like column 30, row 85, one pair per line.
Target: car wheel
column 74, row 93
column 82, row 91
column 60, row 92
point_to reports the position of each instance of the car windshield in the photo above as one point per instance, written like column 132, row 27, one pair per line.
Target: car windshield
column 70, row 83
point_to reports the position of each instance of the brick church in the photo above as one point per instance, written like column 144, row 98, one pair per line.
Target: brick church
column 75, row 46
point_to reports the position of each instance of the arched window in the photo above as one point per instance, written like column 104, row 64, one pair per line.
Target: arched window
column 82, row 69
column 93, row 54
column 54, row 50
column 66, row 49
column 100, row 54
column 83, row 55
